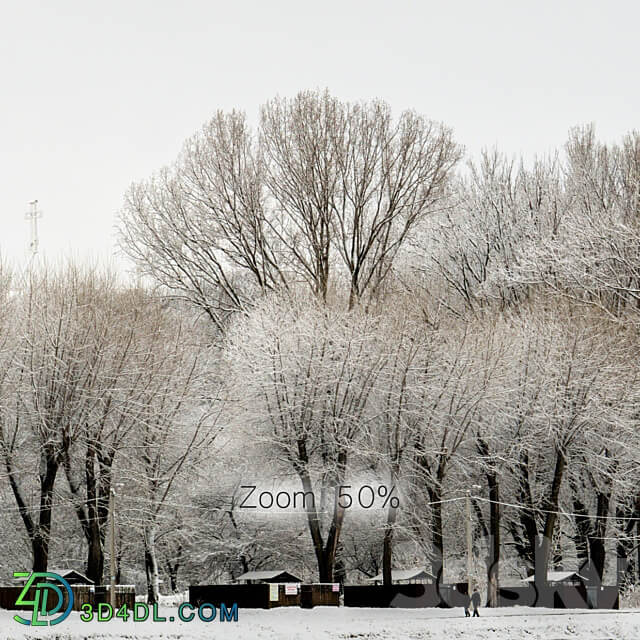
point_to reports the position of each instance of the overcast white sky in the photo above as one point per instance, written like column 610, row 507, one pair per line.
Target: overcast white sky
column 95, row 95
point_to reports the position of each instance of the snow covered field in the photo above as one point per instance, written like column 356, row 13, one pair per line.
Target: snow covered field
column 351, row 623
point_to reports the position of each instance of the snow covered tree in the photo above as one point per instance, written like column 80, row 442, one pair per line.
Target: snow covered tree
column 174, row 423
column 325, row 192
column 52, row 386
column 304, row 378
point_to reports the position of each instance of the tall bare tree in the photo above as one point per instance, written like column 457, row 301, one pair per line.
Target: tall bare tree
column 174, row 421
column 326, row 189
column 54, row 381
column 399, row 402
column 457, row 384
column 304, row 377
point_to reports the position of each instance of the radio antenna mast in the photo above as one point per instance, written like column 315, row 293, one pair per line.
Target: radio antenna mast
column 33, row 214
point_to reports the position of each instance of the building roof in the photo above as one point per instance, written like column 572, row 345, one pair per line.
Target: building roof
column 558, row 576
column 267, row 576
column 405, row 574
column 71, row 574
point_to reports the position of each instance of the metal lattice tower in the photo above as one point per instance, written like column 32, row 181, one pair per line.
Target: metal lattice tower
column 33, row 214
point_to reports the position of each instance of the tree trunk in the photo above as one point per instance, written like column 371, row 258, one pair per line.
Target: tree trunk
column 119, row 557
column 597, row 550
column 335, row 529
column 527, row 546
column 551, row 518
column 582, row 528
column 638, row 550
column 42, row 532
column 173, row 568
column 325, row 564
column 493, row 574
column 92, row 512
column 493, row 560
column 40, row 551
column 173, row 577
column 340, row 570
column 625, row 544
column 591, row 532
column 435, row 497
column 325, row 551
column 95, row 555
column 99, row 504
column 151, row 564
column 387, row 546
column 387, row 542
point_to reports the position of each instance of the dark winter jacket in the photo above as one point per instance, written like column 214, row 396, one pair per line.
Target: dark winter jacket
column 475, row 599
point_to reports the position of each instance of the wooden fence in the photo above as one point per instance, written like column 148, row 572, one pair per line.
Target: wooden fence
column 262, row 596
column 561, row 597
column 125, row 595
column 82, row 594
column 406, row 596
column 319, row 595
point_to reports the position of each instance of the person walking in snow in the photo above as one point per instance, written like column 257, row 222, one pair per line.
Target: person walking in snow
column 475, row 601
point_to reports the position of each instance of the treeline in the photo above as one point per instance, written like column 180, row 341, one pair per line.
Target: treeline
column 337, row 297
column 101, row 386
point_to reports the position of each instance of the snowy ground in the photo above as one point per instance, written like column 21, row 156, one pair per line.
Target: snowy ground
column 351, row 623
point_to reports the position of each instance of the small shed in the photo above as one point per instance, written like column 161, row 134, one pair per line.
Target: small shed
column 274, row 576
column 561, row 578
column 70, row 575
column 417, row 575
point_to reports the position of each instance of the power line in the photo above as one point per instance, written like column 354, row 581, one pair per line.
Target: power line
column 64, row 500
column 568, row 514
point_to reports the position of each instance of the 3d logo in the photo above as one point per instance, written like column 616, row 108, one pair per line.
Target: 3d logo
column 41, row 585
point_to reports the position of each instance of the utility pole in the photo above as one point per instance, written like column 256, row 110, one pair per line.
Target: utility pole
column 33, row 214
column 469, row 542
column 112, row 570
